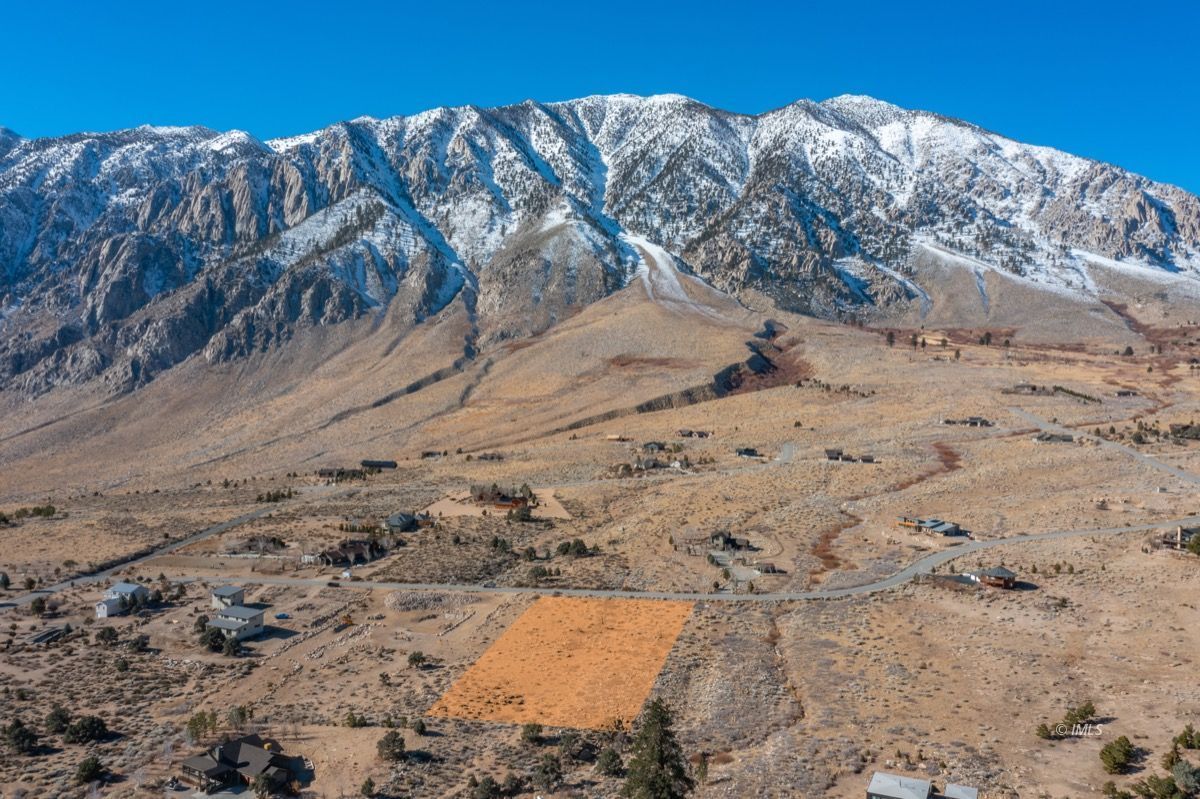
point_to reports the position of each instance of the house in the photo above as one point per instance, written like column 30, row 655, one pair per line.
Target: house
column 970, row 421
column 724, row 541
column 120, row 598
column 997, row 577
column 238, row 622
column 654, row 446
column 373, row 464
column 131, row 592
column 401, row 523
column 944, row 528
column 351, row 552
column 954, row 791
column 1126, row 392
column 747, row 452
column 686, row 433
column 227, row 595
column 110, row 607
column 493, row 495
column 833, row 454
column 239, row 762
column 894, row 786
column 337, row 474
column 1053, row 438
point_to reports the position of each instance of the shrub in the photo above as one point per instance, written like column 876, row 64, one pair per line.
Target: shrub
column 57, row 719
column 20, row 738
column 548, row 774
column 418, row 726
column 391, row 747
column 89, row 770
column 416, row 659
column 85, row 729
column 609, row 763
column 531, row 733
column 212, row 639
column 1117, row 755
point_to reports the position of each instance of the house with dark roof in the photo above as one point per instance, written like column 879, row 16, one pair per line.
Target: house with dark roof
column 401, row 523
column 997, row 577
column 239, row 762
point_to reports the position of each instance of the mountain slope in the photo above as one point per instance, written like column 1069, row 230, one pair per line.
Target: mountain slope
column 123, row 254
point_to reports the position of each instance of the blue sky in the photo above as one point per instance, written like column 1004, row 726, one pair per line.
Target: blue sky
column 1117, row 82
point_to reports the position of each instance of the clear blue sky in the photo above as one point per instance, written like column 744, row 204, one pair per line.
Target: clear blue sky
column 1118, row 82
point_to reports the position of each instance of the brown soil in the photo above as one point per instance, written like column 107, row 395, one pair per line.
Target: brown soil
column 570, row 662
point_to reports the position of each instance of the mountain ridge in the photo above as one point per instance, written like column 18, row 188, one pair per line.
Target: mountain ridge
column 124, row 253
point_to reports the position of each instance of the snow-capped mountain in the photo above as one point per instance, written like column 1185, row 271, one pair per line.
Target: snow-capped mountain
column 122, row 254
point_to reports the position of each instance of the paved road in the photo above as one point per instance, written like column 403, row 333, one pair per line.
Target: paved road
column 207, row 532
column 1051, row 427
column 922, row 566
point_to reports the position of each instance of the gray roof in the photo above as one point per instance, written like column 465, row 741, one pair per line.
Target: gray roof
column 898, row 787
column 232, row 625
column 126, row 588
column 998, row 571
column 240, row 612
column 228, row 590
column 954, row 791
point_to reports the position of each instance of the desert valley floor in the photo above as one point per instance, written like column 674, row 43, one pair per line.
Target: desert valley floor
column 818, row 640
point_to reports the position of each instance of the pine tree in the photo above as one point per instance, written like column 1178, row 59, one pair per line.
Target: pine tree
column 657, row 769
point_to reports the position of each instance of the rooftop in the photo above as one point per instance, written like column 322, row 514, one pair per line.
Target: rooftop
column 240, row 612
column 898, row 787
column 227, row 590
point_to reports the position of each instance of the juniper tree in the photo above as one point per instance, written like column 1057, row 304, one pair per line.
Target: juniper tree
column 657, row 769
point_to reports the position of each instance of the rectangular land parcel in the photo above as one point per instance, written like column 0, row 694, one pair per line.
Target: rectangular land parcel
column 570, row 662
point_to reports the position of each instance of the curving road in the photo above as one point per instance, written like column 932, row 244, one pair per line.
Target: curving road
column 922, row 566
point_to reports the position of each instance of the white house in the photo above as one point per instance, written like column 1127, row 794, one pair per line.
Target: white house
column 228, row 595
column 119, row 598
column 238, row 622
column 110, row 607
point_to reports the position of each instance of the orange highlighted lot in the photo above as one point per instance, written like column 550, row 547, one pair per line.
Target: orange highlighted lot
column 570, row 662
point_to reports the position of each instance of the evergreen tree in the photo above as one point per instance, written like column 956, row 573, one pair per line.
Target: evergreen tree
column 657, row 769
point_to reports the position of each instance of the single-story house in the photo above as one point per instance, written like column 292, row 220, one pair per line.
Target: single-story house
column 227, row 595
column 724, row 541
column 1053, row 438
column 997, row 577
column 338, row 474
column 1126, row 392
column 401, row 523
column 238, row 762
column 238, row 622
column 747, row 452
column 351, row 553
column 654, row 446
column 955, row 791
column 374, row 464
